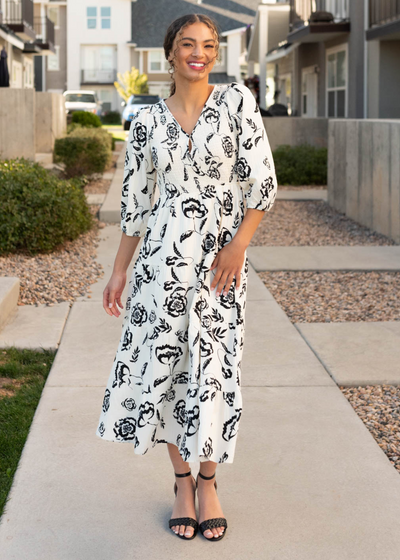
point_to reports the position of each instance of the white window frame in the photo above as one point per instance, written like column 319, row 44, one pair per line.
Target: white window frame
column 332, row 50
column 105, row 18
column 91, row 17
column 56, row 58
column 164, row 67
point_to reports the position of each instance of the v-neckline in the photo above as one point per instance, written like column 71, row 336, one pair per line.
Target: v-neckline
column 198, row 120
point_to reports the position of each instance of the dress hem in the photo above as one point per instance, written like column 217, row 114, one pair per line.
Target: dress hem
column 199, row 458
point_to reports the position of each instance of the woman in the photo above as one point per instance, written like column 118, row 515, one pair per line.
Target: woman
column 176, row 373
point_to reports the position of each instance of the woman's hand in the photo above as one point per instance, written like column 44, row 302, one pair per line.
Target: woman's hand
column 112, row 293
column 229, row 262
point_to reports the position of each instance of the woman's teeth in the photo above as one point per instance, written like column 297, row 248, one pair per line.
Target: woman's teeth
column 196, row 64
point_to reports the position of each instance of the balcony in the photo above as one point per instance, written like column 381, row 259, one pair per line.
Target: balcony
column 44, row 29
column 18, row 16
column 98, row 76
column 384, row 20
column 312, row 21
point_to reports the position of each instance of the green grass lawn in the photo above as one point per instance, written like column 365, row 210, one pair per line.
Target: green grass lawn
column 23, row 374
column 116, row 130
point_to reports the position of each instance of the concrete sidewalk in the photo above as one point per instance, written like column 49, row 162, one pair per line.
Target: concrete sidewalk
column 308, row 481
column 325, row 257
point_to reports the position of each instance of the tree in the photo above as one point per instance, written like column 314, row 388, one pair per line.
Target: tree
column 131, row 82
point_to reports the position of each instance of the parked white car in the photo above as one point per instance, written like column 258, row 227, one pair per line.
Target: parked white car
column 82, row 100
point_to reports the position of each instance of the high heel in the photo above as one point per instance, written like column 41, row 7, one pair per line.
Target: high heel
column 188, row 521
column 215, row 521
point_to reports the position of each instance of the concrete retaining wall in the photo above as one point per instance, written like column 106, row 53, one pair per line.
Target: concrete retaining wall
column 30, row 122
column 51, row 121
column 17, row 118
column 296, row 130
column 364, row 172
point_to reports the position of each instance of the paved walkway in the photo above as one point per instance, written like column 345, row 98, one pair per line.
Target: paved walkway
column 328, row 257
column 308, row 481
column 302, row 194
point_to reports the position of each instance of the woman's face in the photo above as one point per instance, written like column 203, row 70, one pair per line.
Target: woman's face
column 196, row 52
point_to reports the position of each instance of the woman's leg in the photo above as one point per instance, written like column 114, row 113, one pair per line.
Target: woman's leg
column 209, row 506
column 184, row 505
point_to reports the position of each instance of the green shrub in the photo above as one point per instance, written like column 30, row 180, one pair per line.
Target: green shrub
column 86, row 119
column 112, row 117
column 301, row 165
column 84, row 151
column 39, row 211
column 73, row 126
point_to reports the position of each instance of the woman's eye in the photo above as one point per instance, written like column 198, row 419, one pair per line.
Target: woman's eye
column 187, row 45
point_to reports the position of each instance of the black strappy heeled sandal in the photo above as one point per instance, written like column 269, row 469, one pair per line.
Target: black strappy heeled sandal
column 188, row 521
column 215, row 521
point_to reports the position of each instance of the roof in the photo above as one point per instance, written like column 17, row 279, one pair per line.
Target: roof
column 151, row 18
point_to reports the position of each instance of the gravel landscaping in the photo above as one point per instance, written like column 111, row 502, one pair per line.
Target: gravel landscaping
column 332, row 296
column 378, row 406
column 312, row 222
column 62, row 275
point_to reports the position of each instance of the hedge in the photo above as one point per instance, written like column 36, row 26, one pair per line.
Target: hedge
column 301, row 165
column 39, row 211
column 84, row 151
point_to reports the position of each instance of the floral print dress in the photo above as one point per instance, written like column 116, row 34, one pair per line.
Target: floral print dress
column 176, row 375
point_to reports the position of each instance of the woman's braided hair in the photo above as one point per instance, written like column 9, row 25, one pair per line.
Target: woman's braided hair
column 176, row 28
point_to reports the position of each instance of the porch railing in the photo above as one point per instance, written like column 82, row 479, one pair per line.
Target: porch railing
column 301, row 10
column 383, row 11
column 18, row 12
column 44, row 29
column 98, row 76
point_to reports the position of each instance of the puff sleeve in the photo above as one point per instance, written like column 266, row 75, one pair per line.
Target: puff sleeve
column 139, row 177
column 254, row 166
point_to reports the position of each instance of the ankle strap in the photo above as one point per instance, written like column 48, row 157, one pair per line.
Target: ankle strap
column 206, row 477
column 184, row 474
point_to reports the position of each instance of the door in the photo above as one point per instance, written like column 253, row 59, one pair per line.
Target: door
column 309, row 99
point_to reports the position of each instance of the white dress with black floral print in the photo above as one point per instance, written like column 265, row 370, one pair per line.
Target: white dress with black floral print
column 176, row 375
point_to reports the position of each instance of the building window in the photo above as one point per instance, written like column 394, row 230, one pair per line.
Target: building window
column 28, row 73
column 53, row 14
column 157, row 61
column 91, row 15
column 53, row 60
column 336, row 90
column 105, row 18
column 16, row 74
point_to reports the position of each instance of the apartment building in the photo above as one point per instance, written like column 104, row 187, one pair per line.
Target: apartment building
column 26, row 32
column 330, row 58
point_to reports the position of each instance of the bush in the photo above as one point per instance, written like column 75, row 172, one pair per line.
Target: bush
column 39, row 211
column 301, row 165
column 112, row 117
column 86, row 119
column 84, row 151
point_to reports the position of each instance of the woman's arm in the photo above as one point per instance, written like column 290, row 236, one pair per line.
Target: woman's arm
column 113, row 291
column 230, row 258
